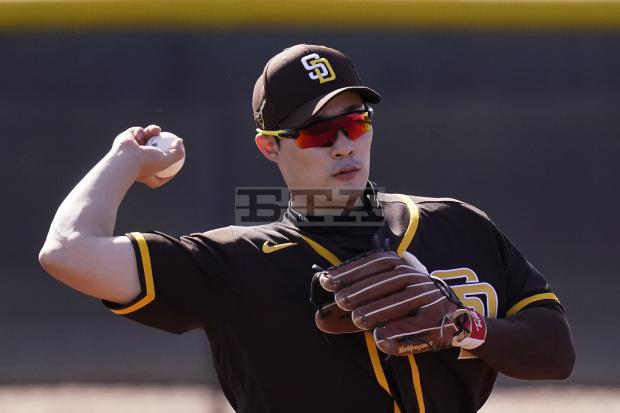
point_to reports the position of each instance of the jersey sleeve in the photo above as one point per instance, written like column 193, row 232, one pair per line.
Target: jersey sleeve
column 526, row 286
column 181, row 280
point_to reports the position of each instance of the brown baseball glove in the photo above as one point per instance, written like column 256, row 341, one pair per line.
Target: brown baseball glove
column 407, row 310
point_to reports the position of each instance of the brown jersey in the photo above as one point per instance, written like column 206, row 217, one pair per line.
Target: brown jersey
column 248, row 288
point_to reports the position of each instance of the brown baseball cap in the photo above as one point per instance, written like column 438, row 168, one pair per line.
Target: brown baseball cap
column 297, row 82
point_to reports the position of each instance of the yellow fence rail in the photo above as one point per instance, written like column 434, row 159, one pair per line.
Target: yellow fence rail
column 359, row 14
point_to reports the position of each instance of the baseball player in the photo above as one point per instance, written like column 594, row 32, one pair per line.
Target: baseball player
column 355, row 300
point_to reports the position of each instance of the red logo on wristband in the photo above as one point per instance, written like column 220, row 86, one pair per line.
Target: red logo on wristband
column 475, row 325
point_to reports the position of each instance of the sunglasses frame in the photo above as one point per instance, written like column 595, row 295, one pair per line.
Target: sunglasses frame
column 294, row 133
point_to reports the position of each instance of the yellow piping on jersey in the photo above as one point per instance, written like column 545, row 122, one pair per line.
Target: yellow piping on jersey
column 417, row 384
column 376, row 365
column 148, row 277
column 414, row 217
column 322, row 251
column 526, row 301
column 370, row 343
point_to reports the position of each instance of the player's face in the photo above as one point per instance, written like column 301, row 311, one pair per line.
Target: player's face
column 345, row 165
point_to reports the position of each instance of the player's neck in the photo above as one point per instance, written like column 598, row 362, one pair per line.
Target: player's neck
column 351, row 209
column 325, row 202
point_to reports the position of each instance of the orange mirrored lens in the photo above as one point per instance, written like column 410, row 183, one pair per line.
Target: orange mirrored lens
column 324, row 134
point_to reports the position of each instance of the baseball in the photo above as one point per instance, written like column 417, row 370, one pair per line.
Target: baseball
column 163, row 142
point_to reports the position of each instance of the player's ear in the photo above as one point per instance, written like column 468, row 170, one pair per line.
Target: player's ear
column 268, row 146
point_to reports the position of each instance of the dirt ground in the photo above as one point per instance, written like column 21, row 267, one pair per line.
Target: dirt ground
column 193, row 399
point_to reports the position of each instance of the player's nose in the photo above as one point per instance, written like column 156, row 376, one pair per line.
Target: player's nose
column 343, row 147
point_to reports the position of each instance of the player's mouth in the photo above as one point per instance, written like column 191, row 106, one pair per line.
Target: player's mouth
column 346, row 173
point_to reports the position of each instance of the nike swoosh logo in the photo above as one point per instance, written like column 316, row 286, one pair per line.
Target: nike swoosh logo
column 268, row 249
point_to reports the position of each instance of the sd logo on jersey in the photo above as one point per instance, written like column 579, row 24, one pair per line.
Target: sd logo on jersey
column 318, row 67
column 481, row 296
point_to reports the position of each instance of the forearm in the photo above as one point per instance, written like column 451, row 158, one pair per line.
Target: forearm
column 90, row 208
column 534, row 344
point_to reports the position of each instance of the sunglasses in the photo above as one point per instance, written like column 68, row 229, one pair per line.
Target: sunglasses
column 324, row 133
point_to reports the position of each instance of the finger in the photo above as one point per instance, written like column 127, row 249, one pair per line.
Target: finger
column 175, row 153
column 344, row 275
column 128, row 135
column 149, row 132
column 377, row 286
column 332, row 319
column 155, row 182
column 138, row 134
column 161, row 159
column 153, row 129
column 178, row 147
column 426, row 327
column 398, row 305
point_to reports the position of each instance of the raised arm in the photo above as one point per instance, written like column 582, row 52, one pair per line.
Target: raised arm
column 80, row 249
